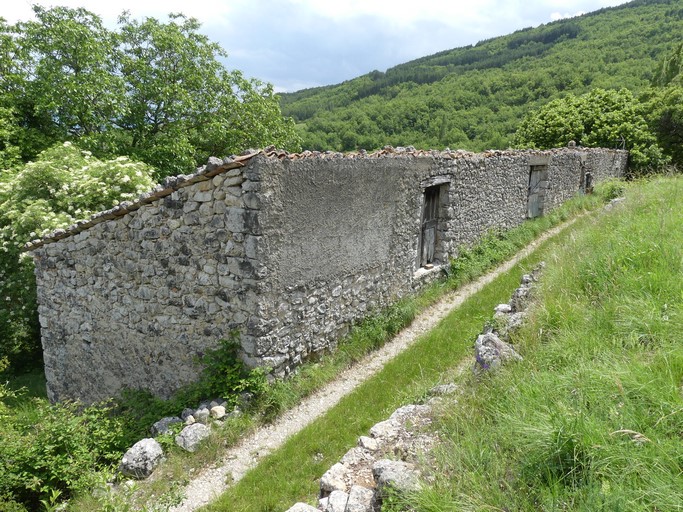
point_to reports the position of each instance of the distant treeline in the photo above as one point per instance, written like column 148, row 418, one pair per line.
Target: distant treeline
column 474, row 97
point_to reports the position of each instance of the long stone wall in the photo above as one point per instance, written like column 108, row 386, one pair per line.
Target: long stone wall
column 285, row 250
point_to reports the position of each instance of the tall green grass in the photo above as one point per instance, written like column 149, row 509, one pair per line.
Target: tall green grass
column 593, row 418
column 291, row 474
column 364, row 337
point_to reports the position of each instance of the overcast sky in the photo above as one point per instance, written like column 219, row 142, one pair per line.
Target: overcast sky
column 295, row 44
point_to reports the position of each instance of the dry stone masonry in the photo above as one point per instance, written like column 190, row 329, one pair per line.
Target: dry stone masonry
column 284, row 250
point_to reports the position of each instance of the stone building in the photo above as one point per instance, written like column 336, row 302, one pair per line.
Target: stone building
column 285, row 250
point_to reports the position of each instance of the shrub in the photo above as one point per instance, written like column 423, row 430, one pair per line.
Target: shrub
column 67, row 452
column 62, row 186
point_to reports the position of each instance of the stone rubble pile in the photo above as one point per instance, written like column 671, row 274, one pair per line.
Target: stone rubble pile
column 143, row 457
column 384, row 461
column 492, row 348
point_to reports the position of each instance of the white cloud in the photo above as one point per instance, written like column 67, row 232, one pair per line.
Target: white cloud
column 296, row 43
column 204, row 10
column 559, row 16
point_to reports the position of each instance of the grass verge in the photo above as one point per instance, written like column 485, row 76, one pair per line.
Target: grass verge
column 291, row 474
column 593, row 417
column 365, row 337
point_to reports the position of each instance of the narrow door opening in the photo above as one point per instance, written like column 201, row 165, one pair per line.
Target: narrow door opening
column 434, row 213
column 538, row 183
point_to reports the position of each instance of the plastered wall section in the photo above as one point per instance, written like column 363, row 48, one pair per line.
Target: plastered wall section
column 343, row 235
column 287, row 253
column 342, row 240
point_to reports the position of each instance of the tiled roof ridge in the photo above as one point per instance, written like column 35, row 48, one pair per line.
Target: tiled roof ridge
column 216, row 166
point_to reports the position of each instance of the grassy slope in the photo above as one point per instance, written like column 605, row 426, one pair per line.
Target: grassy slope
column 291, row 474
column 473, row 97
column 593, row 418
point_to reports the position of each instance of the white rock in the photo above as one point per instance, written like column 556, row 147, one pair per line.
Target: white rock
column 190, row 437
column 218, row 412
column 142, row 458
column 302, row 507
column 395, row 474
column 337, row 502
column 368, row 443
column 360, row 499
column 162, row 426
column 334, row 479
column 202, row 415
column 503, row 308
column 356, row 456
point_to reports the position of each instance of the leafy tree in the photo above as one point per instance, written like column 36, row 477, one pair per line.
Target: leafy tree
column 154, row 91
column 664, row 104
column 10, row 153
column 600, row 118
column 670, row 69
column 63, row 185
column 183, row 104
column 553, row 125
column 666, row 113
column 73, row 80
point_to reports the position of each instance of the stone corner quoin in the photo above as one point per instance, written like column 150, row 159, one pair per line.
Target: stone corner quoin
column 284, row 251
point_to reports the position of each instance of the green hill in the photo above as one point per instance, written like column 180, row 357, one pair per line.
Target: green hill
column 474, row 97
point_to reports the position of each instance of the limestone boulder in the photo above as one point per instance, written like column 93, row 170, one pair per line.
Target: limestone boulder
column 142, row 459
column 491, row 352
column 191, row 436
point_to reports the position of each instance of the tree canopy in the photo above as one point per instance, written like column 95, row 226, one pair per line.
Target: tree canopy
column 600, row 118
column 90, row 117
column 63, row 184
column 474, row 97
column 152, row 90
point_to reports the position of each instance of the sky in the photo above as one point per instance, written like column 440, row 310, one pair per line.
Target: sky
column 297, row 44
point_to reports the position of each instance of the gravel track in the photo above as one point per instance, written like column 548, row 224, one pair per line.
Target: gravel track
column 212, row 482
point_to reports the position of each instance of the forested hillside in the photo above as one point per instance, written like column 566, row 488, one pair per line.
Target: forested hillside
column 474, row 97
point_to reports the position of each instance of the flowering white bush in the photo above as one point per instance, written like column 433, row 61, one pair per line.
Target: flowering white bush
column 62, row 186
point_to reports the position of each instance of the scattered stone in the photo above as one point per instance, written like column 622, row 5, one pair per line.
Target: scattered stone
column 360, row 499
column 396, row 475
column 163, row 425
column 336, row 502
column 410, row 412
column 520, row 298
column 186, row 412
column 385, row 430
column 334, row 480
column 356, row 456
column 503, row 308
column 218, row 412
column 191, row 436
column 368, row 443
column 142, row 458
column 190, row 420
column 443, row 389
column 614, row 202
column 202, row 415
column 302, row 507
column 491, row 352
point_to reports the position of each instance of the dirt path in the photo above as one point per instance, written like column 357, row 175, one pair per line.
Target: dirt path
column 212, row 482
